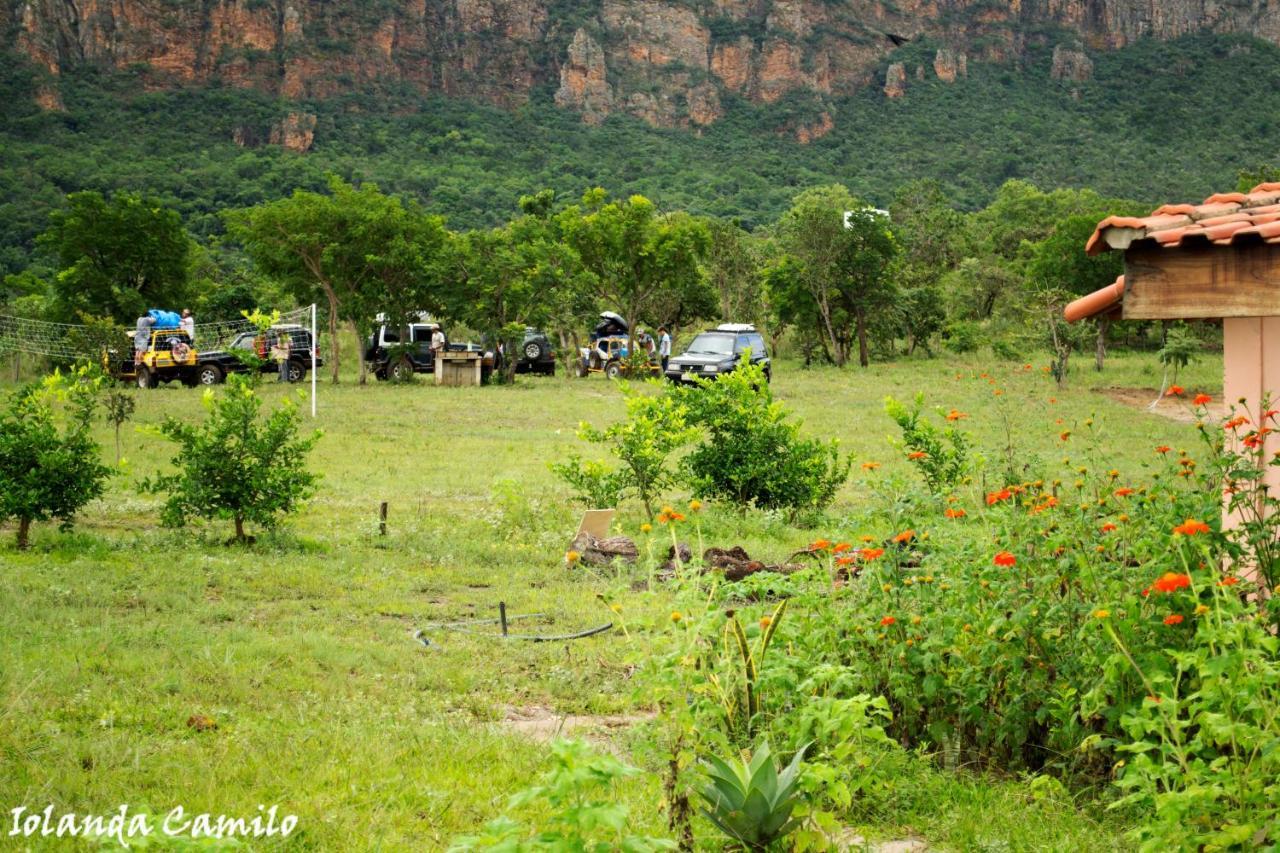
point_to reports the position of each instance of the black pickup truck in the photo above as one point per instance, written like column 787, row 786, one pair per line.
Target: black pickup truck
column 214, row 365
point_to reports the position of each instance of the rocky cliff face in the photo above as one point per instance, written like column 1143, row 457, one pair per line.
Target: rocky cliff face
column 669, row 62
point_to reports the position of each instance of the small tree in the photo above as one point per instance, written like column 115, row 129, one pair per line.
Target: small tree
column 655, row 427
column 236, row 465
column 119, row 402
column 49, row 463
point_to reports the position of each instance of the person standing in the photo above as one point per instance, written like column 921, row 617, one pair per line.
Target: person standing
column 142, row 337
column 437, row 343
column 280, row 352
column 664, row 347
column 188, row 325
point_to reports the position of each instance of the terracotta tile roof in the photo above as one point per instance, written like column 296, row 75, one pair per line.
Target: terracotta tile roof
column 1099, row 302
column 1223, row 219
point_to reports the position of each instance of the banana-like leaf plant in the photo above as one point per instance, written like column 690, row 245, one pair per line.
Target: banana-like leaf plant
column 750, row 801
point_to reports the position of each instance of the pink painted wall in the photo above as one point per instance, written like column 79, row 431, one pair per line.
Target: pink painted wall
column 1251, row 369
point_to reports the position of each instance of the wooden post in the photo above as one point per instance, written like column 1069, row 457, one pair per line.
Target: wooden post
column 502, row 616
column 382, row 519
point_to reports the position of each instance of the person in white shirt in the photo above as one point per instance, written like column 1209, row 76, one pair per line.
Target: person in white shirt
column 188, row 325
column 664, row 346
column 437, row 341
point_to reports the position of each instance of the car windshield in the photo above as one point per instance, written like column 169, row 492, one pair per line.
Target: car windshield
column 711, row 345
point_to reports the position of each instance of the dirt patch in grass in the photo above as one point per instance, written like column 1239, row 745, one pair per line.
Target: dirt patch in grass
column 1174, row 408
column 543, row 724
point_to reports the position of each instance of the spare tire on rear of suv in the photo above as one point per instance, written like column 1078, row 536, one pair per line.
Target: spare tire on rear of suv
column 533, row 350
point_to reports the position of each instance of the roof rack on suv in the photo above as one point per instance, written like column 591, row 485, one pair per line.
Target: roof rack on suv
column 735, row 327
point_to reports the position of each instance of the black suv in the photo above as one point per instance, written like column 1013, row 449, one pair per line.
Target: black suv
column 261, row 344
column 395, row 353
column 536, row 355
column 718, row 351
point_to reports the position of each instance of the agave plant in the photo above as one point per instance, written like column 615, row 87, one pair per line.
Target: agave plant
column 750, row 801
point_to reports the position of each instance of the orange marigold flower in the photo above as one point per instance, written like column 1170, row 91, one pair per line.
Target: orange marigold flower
column 1191, row 527
column 572, row 557
column 695, row 505
column 844, row 560
column 820, row 545
column 1123, row 492
column 765, row 622
column 1108, row 527
column 1236, row 422
column 867, row 538
column 868, row 554
column 840, row 547
column 998, row 496
column 955, row 415
column 888, row 620
column 1064, row 435
column 904, row 537
column 1171, row 581
column 1101, row 614
column 1175, row 391
column 1173, row 619
column 1004, row 558
column 1164, row 448
column 953, row 513
column 1229, row 580
column 917, row 454
column 870, row 466
column 1202, row 400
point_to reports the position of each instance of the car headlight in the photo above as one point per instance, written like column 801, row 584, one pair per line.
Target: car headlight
column 710, row 368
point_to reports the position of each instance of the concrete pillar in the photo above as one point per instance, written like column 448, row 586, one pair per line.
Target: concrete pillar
column 1251, row 371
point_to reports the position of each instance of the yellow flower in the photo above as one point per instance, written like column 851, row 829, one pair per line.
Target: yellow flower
column 916, row 620
column 887, row 587
column 572, row 557
column 1101, row 614
column 646, row 527
column 616, row 608
column 695, row 505
column 1202, row 609
column 675, row 616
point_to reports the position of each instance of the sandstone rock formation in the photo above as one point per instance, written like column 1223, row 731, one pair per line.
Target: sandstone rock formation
column 895, row 81
column 1071, row 63
column 296, row 131
column 670, row 62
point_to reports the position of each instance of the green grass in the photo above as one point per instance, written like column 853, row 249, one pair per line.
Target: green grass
column 300, row 646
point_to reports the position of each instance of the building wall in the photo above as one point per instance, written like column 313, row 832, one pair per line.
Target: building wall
column 1251, row 364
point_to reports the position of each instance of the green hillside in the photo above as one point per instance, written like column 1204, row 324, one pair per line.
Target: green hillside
column 1158, row 121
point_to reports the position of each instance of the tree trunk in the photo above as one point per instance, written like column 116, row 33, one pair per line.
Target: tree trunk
column 1100, row 349
column 240, row 537
column 864, row 355
column 117, row 444
column 333, row 333
column 360, row 352
column 24, row 533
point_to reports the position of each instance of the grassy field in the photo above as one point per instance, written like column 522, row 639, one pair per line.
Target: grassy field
column 301, row 649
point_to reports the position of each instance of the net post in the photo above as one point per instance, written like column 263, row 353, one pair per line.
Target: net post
column 315, row 344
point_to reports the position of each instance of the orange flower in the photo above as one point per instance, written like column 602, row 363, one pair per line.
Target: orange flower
column 1236, row 422
column 844, row 560
column 1123, row 492
column 954, row 513
column 1004, row 558
column 1170, row 582
column 1108, row 527
column 917, row 454
column 997, row 497
column 867, row 538
column 1191, row 527
column 1175, row 391
column 820, row 545
column 1164, row 448
column 1173, row 619
column 955, row 415
column 887, row 621
column 904, row 537
column 1065, row 434
column 841, row 547
column 1254, row 439
column 1202, row 400
column 1229, row 580
column 870, row 466
column 869, row 554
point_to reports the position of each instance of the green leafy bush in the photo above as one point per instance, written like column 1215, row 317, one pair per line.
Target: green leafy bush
column 752, row 453
column 236, row 465
column 585, row 815
column 940, row 455
column 961, row 336
column 49, row 462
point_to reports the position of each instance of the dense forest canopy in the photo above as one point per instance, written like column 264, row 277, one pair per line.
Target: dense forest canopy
column 1158, row 121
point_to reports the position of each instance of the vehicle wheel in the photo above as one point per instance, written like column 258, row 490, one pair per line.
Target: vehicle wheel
column 533, row 350
column 380, row 375
column 209, row 374
column 768, row 375
column 145, row 378
column 297, row 371
column 613, row 370
column 549, row 369
column 402, row 370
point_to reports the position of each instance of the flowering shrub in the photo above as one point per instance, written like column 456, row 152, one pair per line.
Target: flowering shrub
column 941, row 456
